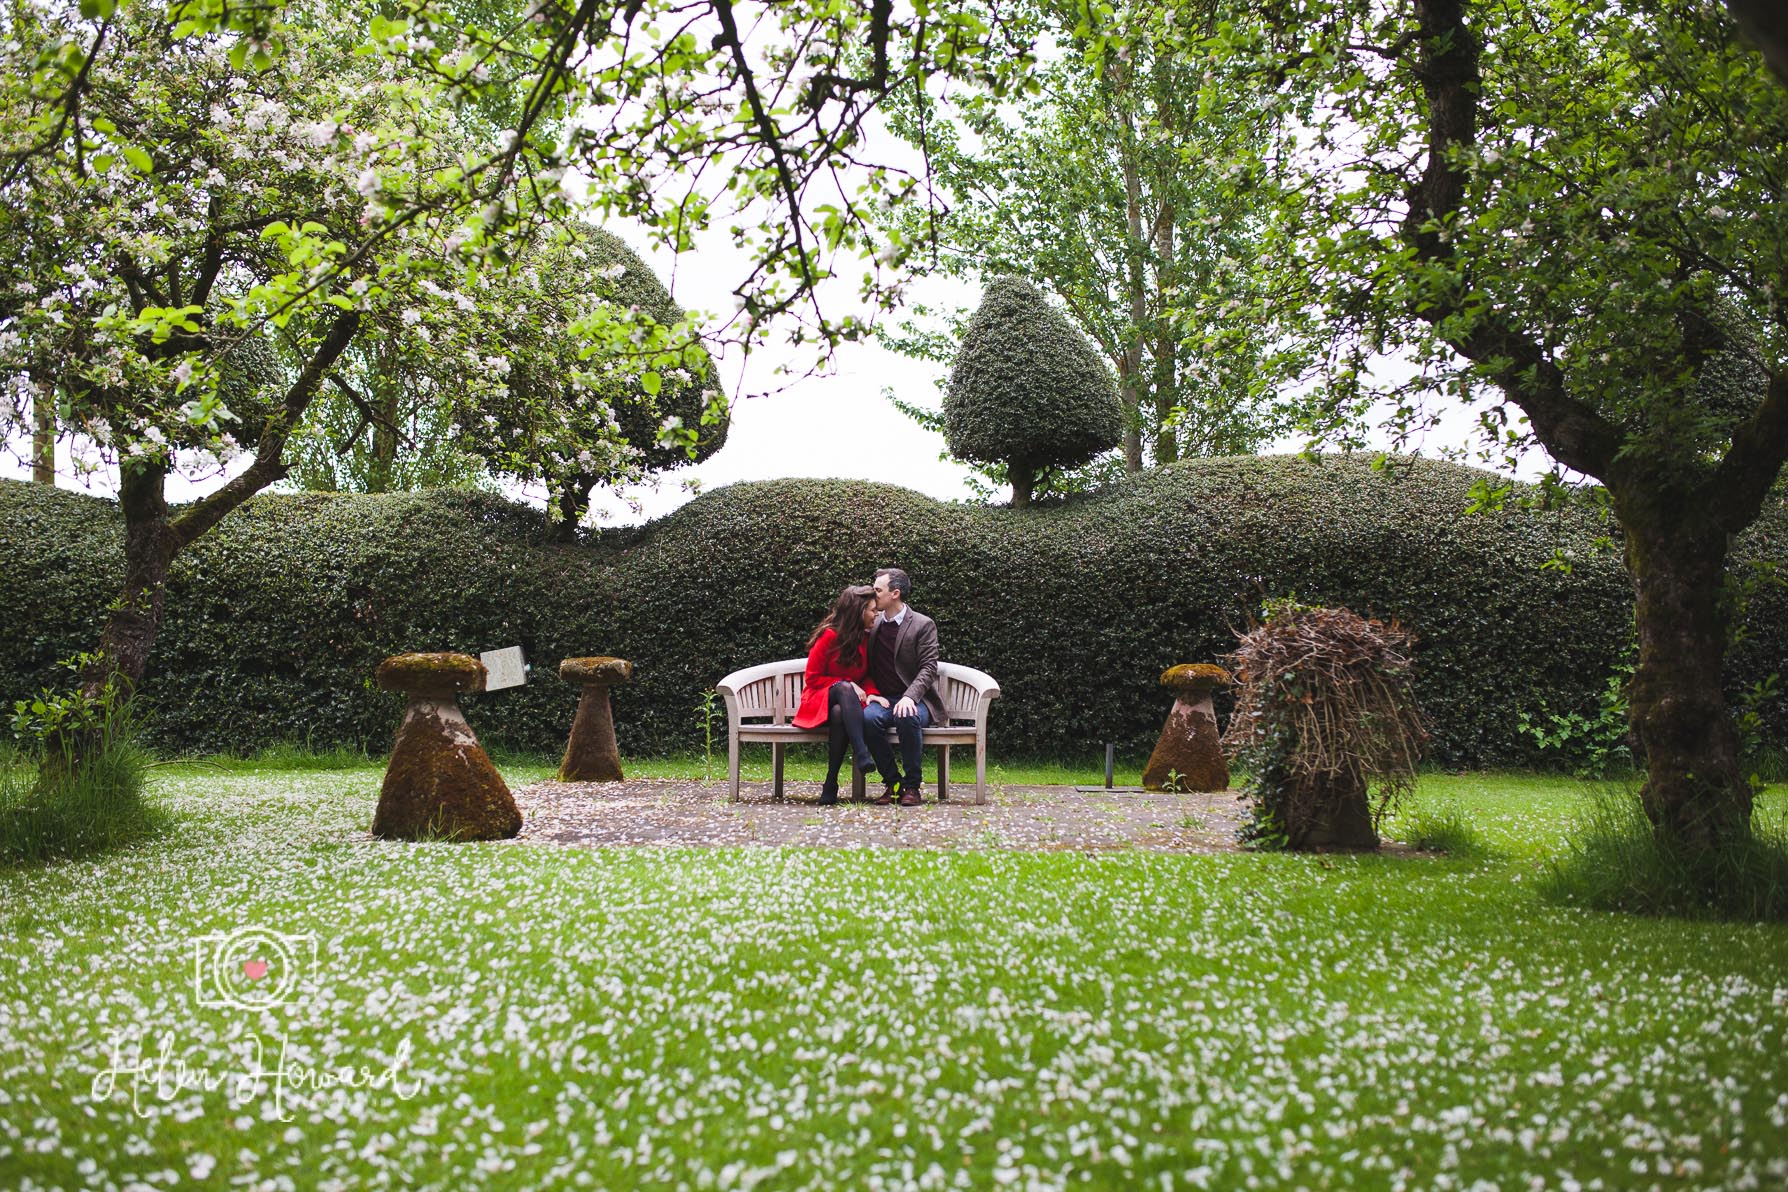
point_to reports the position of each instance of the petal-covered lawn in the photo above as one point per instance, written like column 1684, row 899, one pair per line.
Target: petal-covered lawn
column 842, row 1018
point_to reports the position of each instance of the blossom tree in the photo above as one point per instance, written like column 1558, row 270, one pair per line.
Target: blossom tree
column 573, row 416
column 179, row 183
column 192, row 207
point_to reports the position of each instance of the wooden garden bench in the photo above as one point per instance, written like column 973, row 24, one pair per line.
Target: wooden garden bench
column 761, row 700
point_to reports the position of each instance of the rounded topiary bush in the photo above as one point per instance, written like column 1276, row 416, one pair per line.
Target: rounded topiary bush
column 575, row 420
column 1029, row 390
column 278, row 620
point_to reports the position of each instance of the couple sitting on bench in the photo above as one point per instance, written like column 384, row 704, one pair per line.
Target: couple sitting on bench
column 872, row 664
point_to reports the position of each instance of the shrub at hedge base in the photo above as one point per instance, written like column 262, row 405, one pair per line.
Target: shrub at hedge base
column 278, row 620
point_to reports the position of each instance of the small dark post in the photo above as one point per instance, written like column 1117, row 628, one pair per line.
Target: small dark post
column 1110, row 762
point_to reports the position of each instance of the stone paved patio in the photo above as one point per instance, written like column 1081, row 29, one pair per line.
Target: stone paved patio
column 668, row 812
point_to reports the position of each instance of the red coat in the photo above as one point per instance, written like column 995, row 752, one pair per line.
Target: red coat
column 824, row 669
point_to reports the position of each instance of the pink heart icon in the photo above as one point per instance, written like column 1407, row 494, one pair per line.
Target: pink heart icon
column 254, row 970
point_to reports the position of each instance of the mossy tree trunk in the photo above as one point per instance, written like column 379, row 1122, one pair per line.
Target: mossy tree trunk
column 1024, row 478
column 1130, row 371
column 572, row 501
column 1695, row 793
column 43, row 432
column 385, row 391
column 1766, row 23
column 1167, row 447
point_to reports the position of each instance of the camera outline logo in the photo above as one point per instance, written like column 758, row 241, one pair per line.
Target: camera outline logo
column 250, row 968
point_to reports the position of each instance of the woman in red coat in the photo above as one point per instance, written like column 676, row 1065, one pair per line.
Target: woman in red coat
column 836, row 684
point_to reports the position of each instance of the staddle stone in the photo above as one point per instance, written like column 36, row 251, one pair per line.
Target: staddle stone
column 440, row 784
column 591, row 754
column 1189, row 747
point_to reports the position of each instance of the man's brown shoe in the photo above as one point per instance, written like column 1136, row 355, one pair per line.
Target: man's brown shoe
column 886, row 798
column 909, row 797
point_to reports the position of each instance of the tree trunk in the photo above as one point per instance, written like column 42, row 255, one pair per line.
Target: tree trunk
column 1130, row 374
column 1167, row 445
column 384, row 438
column 43, row 435
column 1695, row 792
column 572, row 501
column 150, row 544
column 1130, row 398
column 1764, row 22
column 1023, row 478
column 152, row 538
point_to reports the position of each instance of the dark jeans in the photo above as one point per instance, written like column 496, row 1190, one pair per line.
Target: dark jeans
column 844, row 726
column 910, row 730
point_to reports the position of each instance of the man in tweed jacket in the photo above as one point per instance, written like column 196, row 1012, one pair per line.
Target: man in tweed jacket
column 903, row 664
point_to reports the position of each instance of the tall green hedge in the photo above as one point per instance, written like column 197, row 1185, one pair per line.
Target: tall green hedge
column 277, row 620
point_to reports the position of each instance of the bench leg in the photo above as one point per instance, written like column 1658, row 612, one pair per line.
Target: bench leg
column 859, row 784
column 776, row 759
column 981, row 771
column 732, row 763
column 943, row 773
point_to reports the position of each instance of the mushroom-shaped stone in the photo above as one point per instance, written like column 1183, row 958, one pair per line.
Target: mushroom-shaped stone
column 431, row 676
column 440, row 784
column 591, row 755
column 1189, row 755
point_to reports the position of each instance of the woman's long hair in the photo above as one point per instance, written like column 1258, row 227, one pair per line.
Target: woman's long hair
column 846, row 620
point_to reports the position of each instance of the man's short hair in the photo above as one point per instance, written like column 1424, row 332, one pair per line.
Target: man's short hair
column 898, row 580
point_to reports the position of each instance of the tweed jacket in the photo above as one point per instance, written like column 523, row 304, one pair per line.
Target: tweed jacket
column 915, row 664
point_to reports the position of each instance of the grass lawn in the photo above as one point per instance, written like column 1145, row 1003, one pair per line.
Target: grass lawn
column 543, row 1017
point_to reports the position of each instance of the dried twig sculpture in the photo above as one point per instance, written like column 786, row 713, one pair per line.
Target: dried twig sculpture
column 1327, row 722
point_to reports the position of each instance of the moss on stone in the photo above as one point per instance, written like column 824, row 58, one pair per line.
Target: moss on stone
column 599, row 669
column 1195, row 678
column 432, row 676
column 440, row 784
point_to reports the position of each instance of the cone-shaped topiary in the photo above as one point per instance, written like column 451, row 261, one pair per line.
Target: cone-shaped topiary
column 1029, row 390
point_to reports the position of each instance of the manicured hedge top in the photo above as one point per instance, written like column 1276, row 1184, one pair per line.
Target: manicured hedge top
column 277, row 621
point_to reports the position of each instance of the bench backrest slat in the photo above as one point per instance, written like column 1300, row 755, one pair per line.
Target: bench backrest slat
column 757, row 699
column 772, row 691
column 961, row 700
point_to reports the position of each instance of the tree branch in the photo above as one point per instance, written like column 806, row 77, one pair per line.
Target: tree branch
column 1750, row 467
column 826, row 85
column 1447, row 67
column 767, row 132
column 269, row 466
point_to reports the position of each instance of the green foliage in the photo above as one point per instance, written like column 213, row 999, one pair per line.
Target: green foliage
column 52, row 808
column 1591, row 745
column 1132, row 200
column 69, row 713
column 276, row 622
column 1644, row 284
column 989, row 481
column 576, row 409
column 1028, row 389
column 1615, row 861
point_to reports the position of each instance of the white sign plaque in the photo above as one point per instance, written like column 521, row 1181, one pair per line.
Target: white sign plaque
column 505, row 668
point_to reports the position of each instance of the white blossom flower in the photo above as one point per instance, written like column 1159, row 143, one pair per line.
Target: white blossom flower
column 318, row 134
